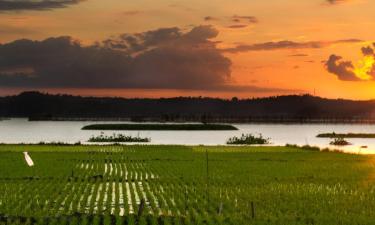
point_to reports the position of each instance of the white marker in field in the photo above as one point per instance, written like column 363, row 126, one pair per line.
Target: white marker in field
column 28, row 159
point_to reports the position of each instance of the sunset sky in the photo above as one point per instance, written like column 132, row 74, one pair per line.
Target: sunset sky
column 163, row 48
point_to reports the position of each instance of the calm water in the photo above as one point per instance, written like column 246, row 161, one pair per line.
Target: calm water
column 23, row 131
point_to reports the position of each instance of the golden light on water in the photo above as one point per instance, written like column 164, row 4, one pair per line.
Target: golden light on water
column 364, row 68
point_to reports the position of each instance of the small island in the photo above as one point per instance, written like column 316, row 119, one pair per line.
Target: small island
column 117, row 138
column 144, row 126
column 248, row 139
column 340, row 142
column 346, row 135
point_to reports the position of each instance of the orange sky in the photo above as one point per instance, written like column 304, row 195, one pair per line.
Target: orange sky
column 282, row 71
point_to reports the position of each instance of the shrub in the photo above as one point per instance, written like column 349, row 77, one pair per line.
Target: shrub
column 339, row 141
column 117, row 138
column 310, row 148
column 248, row 139
column 304, row 147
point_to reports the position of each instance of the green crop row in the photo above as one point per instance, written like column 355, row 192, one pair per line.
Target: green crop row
column 184, row 185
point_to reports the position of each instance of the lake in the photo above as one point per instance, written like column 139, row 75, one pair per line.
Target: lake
column 23, row 131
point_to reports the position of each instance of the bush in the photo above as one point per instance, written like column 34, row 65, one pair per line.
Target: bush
column 117, row 138
column 248, row 139
column 304, row 147
column 339, row 141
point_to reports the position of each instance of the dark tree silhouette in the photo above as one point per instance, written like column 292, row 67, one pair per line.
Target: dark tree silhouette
column 292, row 108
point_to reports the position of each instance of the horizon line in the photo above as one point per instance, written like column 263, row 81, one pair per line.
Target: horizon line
column 182, row 96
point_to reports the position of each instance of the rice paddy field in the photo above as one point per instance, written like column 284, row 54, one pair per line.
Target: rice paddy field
column 151, row 184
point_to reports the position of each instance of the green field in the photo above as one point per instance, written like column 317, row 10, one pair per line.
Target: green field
column 151, row 126
column 106, row 185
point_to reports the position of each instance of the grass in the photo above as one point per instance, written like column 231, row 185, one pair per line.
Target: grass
column 248, row 139
column 104, row 185
column 117, row 138
column 144, row 126
column 347, row 135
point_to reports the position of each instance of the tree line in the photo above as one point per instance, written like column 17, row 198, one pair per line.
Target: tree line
column 283, row 109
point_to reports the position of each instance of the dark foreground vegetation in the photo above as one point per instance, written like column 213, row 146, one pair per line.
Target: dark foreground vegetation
column 348, row 135
column 248, row 139
column 280, row 109
column 117, row 138
column 159, row 127
column 158, row 185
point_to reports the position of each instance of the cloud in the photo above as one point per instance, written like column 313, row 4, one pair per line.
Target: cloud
column 335, row 2
column 242, row 19
column 210, row 18
column 367, row 51
column 340, row 2
column 268, row 46
column 198, row 38
column 166, row 58
column 163, row 58
column 233, row 22
column 343, row 69
column 237, row 26
column 364, row 70
column 16, row 5
column 299, row 55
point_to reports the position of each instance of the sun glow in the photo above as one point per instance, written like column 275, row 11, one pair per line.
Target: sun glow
column 364, row 68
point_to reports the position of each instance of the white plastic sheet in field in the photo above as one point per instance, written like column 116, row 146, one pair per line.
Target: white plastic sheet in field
column 28, row 159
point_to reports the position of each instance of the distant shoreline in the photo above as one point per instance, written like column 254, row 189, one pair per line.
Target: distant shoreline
column 292, row 109
column 346, row 135
column 217, row 120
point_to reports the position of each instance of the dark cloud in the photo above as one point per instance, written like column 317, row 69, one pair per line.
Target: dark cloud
column 163, row 58
column 346, row 71
column 242, row 19
column 335, row 2
column 267, row 46
column 343, row 69
column 132, row 43
column 59, row 62
column 15, row 5
column 351, row 40
column 167, row 58
column 181, row 60
column 233, row 22
column 210, row 18
column 367, row 51
column 237, row 26
column 198, row 38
